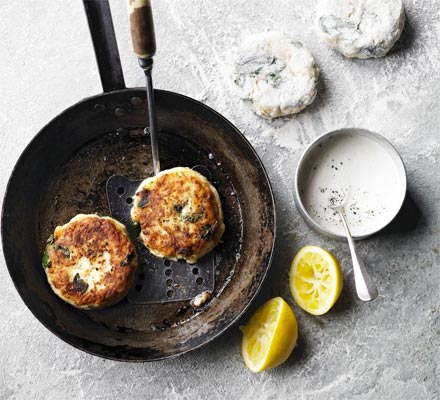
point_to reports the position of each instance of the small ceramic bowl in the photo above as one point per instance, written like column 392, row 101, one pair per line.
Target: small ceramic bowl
column 365, row 147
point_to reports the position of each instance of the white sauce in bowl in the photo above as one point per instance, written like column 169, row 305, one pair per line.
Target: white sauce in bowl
column 360, row 170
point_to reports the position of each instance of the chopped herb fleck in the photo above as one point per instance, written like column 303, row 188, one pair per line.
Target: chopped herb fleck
column 206, row 231
column 178, row 208
column 50, row 239
column 46, row 260
column 65, row 250
column 194, row 217
column 274, row 79
column 186, row 251
column 128, row 259
column 144, row 198
column 257, row 71
column 79, row 285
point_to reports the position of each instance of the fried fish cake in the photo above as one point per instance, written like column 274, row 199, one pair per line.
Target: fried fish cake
column 179, row 213
column 90, row 261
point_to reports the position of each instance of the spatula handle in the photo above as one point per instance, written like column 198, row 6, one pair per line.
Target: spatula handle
column 142, row 29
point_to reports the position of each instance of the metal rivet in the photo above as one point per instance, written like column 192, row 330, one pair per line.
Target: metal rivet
column 120, row 112
column 99, row 107
column 136, row 101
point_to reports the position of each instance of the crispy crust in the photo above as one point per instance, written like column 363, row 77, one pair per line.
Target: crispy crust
column 90, row 261
column 180, row 214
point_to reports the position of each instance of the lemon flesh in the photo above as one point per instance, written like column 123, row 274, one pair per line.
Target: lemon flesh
column 270, row 335
column 315, row 280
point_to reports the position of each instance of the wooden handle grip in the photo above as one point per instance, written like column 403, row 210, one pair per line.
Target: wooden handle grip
column 142, row 28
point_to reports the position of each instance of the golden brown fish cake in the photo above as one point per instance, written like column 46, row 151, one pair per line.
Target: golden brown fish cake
column 90, row 261
column 179, row 213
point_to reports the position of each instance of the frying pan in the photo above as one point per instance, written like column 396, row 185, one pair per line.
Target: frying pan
column 63, row 171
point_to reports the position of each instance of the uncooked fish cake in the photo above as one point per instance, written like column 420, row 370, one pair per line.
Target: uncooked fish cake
column 179, row 214
column 90, row 261
column 275, row 74
column 360, row 28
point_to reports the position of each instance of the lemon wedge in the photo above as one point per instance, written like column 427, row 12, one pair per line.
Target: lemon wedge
column 315, row 280
column 270, row 335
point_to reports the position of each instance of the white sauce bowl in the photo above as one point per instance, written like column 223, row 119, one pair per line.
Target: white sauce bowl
column 358, row 166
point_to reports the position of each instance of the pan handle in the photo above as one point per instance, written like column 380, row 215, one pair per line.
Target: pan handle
column 104, row 42
column 142, row 31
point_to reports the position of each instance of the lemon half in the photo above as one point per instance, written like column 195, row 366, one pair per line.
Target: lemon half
column 270, row 335
column 315, row 280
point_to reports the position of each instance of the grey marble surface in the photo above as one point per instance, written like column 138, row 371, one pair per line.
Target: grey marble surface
column 386, row 349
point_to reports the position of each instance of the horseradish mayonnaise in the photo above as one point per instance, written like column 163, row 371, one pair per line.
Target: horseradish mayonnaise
column 361, row 172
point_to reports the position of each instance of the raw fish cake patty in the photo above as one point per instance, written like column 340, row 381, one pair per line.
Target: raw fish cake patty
column 360, row 28
column 179, row 214
column 275, row 74
column 90, row 261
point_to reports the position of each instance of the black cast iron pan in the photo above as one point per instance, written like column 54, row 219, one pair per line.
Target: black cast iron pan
column 63, row 171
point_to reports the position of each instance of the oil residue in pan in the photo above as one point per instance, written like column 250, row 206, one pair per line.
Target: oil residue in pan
column 78, row 186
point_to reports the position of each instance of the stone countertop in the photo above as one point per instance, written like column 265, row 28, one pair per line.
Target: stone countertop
column 386, row 349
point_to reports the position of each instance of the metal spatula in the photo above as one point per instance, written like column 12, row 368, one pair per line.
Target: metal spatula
column 157, row 280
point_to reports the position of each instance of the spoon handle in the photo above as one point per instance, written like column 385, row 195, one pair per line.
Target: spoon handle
column 365, row 287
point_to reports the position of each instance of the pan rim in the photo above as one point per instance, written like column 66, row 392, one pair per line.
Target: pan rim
column 233, row 321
